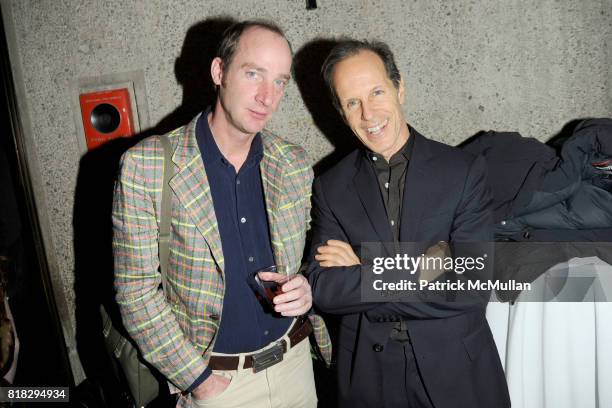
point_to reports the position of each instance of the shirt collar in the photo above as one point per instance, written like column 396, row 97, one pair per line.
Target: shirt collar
column 403, row 154
column 210, row 151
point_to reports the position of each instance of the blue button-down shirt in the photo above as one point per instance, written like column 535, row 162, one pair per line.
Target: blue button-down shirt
column 240, row 209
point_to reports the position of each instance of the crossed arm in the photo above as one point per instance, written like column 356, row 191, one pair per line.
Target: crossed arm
column 335, row 274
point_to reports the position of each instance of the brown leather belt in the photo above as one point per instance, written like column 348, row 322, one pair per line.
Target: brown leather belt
column 300, row 330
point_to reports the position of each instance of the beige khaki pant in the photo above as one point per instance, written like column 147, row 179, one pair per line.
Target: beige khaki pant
column 288, row 384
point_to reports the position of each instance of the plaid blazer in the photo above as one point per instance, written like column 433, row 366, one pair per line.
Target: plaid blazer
column 176, row 332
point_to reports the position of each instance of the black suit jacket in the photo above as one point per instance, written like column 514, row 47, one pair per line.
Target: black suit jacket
column 445, row 199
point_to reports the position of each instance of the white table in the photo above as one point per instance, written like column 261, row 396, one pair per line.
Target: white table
column 558, row 354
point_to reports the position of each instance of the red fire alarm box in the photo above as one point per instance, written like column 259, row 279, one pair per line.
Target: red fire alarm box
column 106, row 115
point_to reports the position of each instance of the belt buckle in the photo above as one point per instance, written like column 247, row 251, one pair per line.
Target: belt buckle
column 268, row 358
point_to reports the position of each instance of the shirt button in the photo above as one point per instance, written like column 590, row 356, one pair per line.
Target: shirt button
column 374, row 158
column 243, row 220
column 251, row 259
column 386, row 185
column 266, row 332
column 237, row 181
column 392, row 222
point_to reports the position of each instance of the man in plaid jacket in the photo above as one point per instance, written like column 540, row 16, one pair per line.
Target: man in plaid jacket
column 240, row 202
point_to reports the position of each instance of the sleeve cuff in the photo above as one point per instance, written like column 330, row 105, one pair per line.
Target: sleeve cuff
column 207, row 372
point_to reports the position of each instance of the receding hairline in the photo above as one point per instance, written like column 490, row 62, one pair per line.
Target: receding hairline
column 358, row 53
column 254, row 64
column 256, row 27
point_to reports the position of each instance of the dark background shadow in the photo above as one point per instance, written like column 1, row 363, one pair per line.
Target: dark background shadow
column 192, row 71
column 92, row 216
column 93, row 284
column 307, row 65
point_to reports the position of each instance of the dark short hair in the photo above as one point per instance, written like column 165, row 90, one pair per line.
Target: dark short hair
column 347, row 48
column 231, row 38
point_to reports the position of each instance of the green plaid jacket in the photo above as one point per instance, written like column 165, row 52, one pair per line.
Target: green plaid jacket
column 176, row 332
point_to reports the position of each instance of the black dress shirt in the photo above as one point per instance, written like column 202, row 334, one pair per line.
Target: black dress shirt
column 391, row 177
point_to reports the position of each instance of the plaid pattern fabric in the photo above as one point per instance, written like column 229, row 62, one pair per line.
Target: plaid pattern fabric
column 176, row 333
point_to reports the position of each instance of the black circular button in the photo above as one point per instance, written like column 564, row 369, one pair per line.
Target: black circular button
column 105, row 118
column 378, row 348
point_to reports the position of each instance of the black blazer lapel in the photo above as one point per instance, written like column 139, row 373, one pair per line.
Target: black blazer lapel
column 418, row 187
column 368, row 191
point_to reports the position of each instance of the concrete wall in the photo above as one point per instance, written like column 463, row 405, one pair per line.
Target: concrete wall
column 468, row 66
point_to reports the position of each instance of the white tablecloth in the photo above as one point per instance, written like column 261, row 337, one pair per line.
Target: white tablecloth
column 559, row 354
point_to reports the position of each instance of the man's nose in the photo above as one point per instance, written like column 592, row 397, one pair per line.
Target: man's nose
column 366, row 112
column 265, row 94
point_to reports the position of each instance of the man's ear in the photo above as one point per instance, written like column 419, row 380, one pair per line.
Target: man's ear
column 400, row 91
column 216, row 71
column 343, row 116
column 339, row 109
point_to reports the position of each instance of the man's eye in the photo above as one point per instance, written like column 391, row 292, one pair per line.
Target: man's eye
column 252, row 74
column 352, row 104
column 281, row 83
column 378, row 92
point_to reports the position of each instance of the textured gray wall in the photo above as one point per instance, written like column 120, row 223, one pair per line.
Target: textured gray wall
column 468, row 66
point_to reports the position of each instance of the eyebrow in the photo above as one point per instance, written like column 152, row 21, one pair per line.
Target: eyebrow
column 257, row 68
column 374, row 88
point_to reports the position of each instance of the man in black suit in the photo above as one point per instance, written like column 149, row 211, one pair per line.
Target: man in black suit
column 428, row 350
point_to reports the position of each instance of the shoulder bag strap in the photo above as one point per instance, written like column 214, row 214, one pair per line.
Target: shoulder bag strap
column 166, row 213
